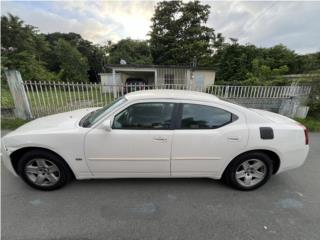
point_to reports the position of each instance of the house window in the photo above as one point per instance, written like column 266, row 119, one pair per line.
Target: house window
column 169, row 80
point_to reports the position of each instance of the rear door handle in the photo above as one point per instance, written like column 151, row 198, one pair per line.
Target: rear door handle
column 160, row 139
column 233, row 138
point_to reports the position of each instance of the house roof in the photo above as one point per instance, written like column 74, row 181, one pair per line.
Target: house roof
column 156, row 66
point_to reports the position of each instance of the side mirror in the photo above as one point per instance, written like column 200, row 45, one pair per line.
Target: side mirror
column 106, row 125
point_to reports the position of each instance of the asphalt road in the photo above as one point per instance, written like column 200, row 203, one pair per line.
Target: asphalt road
column 288, row 207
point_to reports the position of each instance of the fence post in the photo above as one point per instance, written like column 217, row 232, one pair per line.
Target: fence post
column 21, row 103
column 114, row 83
column 226, row 93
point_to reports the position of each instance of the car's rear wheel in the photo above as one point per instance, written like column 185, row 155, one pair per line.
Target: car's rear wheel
column 249, row 171
column 43, row 170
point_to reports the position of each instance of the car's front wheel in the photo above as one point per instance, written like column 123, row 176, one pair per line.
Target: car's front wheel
column 43, row 170
column 249, row 171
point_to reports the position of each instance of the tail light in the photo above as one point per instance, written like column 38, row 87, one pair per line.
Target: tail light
column 306, row 136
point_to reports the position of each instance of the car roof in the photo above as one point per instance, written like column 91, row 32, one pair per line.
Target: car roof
column 171, row 94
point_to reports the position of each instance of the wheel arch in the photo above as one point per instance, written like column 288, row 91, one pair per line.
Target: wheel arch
column 17, row 154
column 273, row 156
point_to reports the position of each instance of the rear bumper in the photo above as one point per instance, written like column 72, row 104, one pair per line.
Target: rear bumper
column 6, row 159
column 293, row 159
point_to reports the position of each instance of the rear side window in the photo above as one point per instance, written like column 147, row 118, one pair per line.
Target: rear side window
column 196, row 116
column 145, row 116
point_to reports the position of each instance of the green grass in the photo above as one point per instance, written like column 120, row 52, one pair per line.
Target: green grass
column 58, row 98
column 6, row 99
column 51, row 101
column 312, row 124
column 7, row 123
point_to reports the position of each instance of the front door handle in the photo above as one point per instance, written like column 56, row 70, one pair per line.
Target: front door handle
column 160, row 138
column 233, row 138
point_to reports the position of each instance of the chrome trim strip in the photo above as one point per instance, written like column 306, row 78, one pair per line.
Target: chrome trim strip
column 196, row 158
column 129, row 159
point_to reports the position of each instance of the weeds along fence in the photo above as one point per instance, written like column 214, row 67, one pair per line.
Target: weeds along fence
column 46, row 98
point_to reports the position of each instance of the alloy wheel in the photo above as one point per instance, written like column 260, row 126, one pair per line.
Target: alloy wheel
column 42, row 172
column 251, row 172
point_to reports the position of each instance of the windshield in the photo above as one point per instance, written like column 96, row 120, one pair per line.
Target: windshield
column 94, row 116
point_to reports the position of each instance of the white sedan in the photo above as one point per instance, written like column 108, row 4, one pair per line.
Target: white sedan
column 158, row 134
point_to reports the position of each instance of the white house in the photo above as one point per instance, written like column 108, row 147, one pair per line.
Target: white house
column 157, row 75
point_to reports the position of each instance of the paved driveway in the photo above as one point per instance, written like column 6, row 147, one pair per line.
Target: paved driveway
column 288, row 207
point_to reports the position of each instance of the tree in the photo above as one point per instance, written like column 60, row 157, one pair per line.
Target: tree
column 132, row 51
column 96, row 54
column 262, row 74
column 308, row 63
column 280, row 55
column 247, row 64
column 179, row 35
column 73, row 66
column 23, row 48
column 15, row 34
column 234, row 62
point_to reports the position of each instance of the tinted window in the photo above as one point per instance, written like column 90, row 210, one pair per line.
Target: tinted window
column 145, row 116
column 204, row 117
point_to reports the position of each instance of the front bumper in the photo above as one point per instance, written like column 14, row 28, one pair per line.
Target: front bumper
column 6, row 159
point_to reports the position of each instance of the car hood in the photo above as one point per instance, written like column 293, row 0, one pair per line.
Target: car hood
column 56, row 122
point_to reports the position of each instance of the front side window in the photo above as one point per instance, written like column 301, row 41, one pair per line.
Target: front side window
column 196, row 116
column 145, row 116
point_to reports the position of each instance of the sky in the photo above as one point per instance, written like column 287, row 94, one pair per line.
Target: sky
column 263, row 23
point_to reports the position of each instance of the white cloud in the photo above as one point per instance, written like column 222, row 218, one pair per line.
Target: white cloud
column 295, row 24
column 132, row 18
column 90, row 27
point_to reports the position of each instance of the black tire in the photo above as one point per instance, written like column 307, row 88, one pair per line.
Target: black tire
column 229, row 175
column 65, row 173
